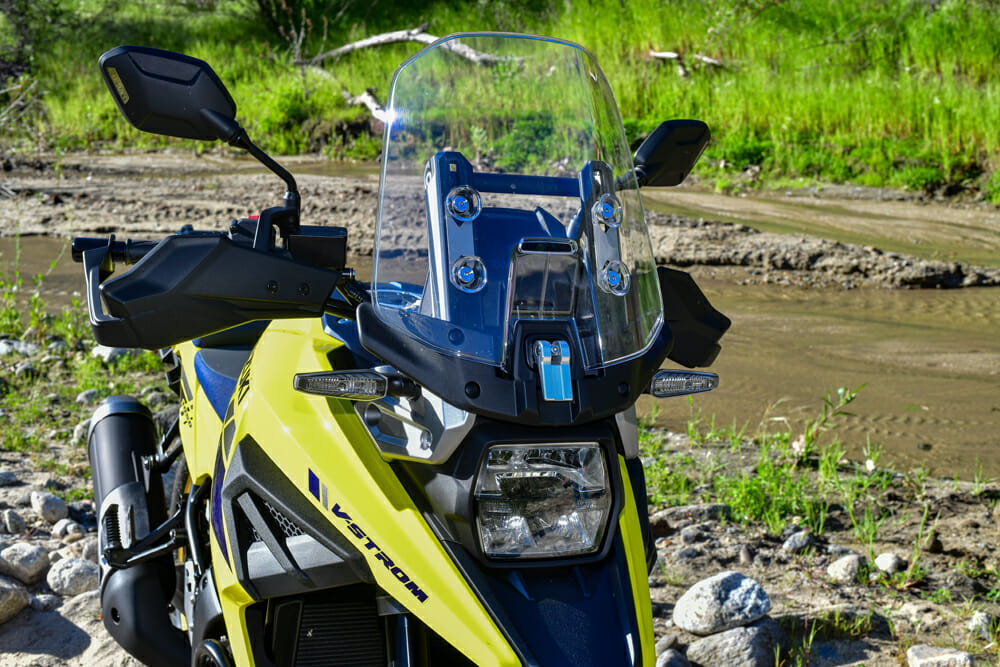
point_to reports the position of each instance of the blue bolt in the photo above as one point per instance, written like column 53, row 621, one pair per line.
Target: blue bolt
column 466, row 275
column 613, row 278
column 608, row 211
column 461, row 204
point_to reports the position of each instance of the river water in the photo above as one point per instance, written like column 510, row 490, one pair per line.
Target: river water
column 929, row 360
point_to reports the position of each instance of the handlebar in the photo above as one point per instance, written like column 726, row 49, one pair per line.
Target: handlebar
column 128, row 252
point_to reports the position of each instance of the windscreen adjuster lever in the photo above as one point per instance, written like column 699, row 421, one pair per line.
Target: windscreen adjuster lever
column 552, row 361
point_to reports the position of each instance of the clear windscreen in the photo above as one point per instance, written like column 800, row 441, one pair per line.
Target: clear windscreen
column 507, row 195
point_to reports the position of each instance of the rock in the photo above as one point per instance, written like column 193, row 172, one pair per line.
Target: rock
column 49, row 506
column 691, row 535
column 109, row 354
column 979, row 625
column 57, row 347
column 25, row 370
column 67, row 527
column 672, row 658
column 45, row 602
column 797, row 542
column 72, row 576
column 86, row 396
column 665, row 642
column 72, row 538
column 25, row 348
column 932, row 543
column 750, row 646
column 13, row 598
column 82, row 511
column 718, row 603
column 890, row 563
column 7, row 478
column 13, row 522
column 25, row 562
column 683, row 515
column 89, row 550
column 686, row 553
column 59, row 528
column 746, row 556
column 80, row 431
column 156, row 398
column 923, row 655
column 845, row 570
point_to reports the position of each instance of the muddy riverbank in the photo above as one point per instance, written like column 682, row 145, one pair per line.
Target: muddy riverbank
column 149, row 195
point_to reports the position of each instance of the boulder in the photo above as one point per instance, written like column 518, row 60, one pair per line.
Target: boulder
column 727, row 600
column 72, row 576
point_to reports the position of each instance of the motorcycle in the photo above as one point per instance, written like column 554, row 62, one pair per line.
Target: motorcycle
column 436, row 467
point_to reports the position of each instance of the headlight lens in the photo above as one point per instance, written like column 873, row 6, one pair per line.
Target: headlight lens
column 541, row 501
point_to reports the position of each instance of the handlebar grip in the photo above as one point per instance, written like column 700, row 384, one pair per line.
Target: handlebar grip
column 128, row 251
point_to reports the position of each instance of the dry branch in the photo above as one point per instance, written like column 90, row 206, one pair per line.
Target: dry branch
column 368, row 100
column 417, row 34
column 678, row 58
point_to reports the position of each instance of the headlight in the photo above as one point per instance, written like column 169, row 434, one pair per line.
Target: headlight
column 541, row 501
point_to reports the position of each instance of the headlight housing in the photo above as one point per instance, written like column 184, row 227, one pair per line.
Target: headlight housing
column 542, row 500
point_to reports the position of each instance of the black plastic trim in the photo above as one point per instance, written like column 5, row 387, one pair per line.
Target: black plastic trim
column 252, row 471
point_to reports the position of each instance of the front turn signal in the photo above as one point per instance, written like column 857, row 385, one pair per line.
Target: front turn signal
column 667, row 383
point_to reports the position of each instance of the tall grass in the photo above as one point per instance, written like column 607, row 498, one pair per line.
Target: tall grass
column 899, row 92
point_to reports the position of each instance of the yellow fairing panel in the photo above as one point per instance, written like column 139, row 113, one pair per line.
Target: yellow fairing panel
column 321, row 446
column 199, row 424
column 628, row 523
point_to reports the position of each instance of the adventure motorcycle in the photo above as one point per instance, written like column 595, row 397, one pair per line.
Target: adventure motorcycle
column 436, row 468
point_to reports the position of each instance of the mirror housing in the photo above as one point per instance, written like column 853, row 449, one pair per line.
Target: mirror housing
column 670, row 152
column 168, row 93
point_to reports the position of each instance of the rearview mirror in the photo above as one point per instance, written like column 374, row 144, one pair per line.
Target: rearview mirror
column 670, row 152
column 168, row 93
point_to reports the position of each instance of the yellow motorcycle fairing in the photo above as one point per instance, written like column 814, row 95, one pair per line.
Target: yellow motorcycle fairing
column 313, row 439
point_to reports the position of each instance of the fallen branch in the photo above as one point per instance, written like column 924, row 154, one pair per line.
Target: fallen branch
column 417, row 34
column 679, row 59
column 367, row 99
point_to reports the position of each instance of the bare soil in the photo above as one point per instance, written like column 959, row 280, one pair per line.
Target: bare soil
column 149, row 195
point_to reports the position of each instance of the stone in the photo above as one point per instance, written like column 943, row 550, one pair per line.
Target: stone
column 686, row 553
column 45, row 602
column 82, row 511
column 57, row 347
column 979, row 625
column 66, row 527
column 59, row 528
column 109, row 354
column 845, row 570
column 7, row 478
column 665, row 642
column 25, row 370
column 676, row 518
column 13, row 522
column 80, row 431
column 797, row 542
column 49, row 506
column 25, row 348
column 13, row 598
column 751, row 646
column 727, row 600
column 923, row 655
column 932, row 543
column 87, row 396
column 672, row 658
column 25, row 562
column 746, row 555
column 691, row 535
column 890, row 563
column 72, row 576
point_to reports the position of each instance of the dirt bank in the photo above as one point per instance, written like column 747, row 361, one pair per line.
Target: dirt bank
column 149, row 195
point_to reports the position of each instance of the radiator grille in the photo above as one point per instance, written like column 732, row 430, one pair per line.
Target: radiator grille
column 340, row 628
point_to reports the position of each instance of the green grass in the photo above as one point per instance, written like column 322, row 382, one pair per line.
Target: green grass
column 903, row 93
